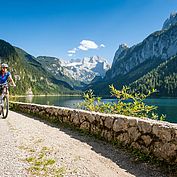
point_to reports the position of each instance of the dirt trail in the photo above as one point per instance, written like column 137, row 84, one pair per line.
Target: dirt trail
column 31, row 147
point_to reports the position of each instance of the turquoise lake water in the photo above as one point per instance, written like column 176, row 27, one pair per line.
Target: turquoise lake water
column 167, row 106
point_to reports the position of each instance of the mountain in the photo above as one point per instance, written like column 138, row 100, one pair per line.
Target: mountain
column 54, row 67
column 172, row 20
column 86, row 69
column 49, row 75
column 29, row 75
column 131, row 63
column 76, row 72
column 163, row 78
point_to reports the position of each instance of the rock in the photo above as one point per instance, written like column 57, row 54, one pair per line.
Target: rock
column 163, row 132
column 55, row 113
column 144, row 126
column 76, row 120
column 66, row 119
column 65, row 112
column 170, row 21
column 175, row 136
column 102, row 119
column 147, row 139
column 165, row 151
column 109, row 122
column 121, row 52
column 134, row 134
column 91, row 118
column 85, row 126
column 124, row 138
column 50, row 111
column 132, row 121
column 74, row 117
column 136, row 145
column 120, row 124
column 42, row 113
column 60, row 112
column 95, row 129
column 108, row 135
column 82, row 117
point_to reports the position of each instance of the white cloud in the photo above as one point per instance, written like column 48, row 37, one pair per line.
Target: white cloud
column 70, row 54
column 87, row 44
column 84, row 45
column 72, row 51
column 81, row 47
column 102, row 45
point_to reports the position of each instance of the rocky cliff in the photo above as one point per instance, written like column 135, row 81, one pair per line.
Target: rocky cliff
column 172, row 20
column 131, row 63
column 158, row 46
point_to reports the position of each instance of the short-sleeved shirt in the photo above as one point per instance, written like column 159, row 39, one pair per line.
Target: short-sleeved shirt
column 3, row 78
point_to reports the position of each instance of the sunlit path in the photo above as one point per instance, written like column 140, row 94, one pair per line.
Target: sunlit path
column 24, row 139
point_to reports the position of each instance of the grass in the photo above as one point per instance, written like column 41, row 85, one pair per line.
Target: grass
column 40, row 164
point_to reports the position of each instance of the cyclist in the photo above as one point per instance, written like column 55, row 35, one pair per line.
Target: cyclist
column 5, row 75
column 4, row 93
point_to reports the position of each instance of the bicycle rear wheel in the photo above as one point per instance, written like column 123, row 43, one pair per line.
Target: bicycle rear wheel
column 5, row 107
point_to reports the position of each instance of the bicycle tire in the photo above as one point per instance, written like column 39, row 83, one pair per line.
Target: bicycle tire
column 5, row 108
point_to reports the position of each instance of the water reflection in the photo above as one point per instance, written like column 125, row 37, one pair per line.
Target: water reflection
column 63, row 101
column 166, row 106
column 29, row 98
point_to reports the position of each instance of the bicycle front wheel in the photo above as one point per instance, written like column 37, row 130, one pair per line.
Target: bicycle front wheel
column 5, row 108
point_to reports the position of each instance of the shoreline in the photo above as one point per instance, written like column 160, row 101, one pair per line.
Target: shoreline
column 18, row 96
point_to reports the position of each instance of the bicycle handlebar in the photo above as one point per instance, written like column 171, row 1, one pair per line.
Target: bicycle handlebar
column 4, row 84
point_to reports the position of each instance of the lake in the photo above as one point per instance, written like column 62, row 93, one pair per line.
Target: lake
column 167, row 106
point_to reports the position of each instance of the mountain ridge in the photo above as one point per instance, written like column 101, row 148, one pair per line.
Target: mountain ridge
column 131, row 63
column 163, row 78
column 78, row 71
column 28, row 74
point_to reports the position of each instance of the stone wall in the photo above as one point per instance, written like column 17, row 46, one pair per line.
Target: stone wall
column 149, row 136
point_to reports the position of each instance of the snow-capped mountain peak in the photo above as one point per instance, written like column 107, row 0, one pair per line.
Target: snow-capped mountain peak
column 83, row 70
column 86, row 69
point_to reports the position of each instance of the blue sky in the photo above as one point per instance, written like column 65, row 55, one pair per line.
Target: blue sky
column 77, row 28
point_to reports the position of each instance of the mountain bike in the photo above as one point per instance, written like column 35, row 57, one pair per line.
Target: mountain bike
column 4, row 100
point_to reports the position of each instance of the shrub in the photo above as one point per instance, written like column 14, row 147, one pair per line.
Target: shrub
column 127, row 103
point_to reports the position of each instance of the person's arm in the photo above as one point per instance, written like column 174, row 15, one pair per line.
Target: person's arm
column 12, row 81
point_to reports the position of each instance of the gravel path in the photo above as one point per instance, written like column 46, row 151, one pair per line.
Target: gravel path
column 30, row 147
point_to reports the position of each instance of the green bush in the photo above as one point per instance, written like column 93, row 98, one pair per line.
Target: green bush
column 128, row 103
